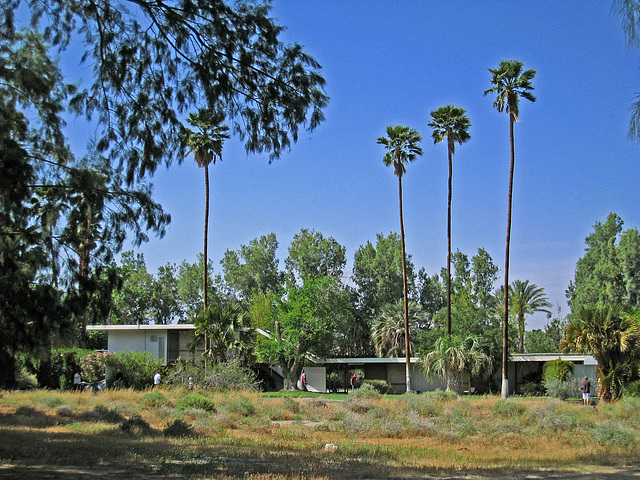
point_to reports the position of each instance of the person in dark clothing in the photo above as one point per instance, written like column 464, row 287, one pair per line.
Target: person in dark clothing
column 585, row 388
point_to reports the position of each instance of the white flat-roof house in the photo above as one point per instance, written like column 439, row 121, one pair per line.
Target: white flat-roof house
column 169, row 342
column 165, row 342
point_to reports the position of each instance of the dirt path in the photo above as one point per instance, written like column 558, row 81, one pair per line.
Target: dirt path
column 111, row 472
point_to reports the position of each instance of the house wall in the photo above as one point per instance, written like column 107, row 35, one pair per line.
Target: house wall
column 316, row 379
column 152, row 341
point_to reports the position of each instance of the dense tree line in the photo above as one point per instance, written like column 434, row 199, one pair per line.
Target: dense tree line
column 308, row 304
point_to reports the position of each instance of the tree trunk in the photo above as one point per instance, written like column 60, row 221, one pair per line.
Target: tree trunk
column 449, row 244
column 405, row 293
column 206, row 234
column 505, row 327
column 454, row 382
column 205, row 300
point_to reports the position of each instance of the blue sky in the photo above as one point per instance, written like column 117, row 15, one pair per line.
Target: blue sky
column 393, row 63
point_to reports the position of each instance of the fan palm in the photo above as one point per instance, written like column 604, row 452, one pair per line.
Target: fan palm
column 509, row 84
column 388, row 333
column 527, row 298
column 454, row 355
column 206, row 146
column 402, row 144
column 226, row 330
column 613, row 337
column 451, row 123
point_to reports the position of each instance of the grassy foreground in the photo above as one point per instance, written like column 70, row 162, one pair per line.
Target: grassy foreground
column 179, row 434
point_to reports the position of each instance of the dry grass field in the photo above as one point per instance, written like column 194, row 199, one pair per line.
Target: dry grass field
column 180, row 434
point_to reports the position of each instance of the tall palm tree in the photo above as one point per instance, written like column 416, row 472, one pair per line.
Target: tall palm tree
column 206, row 146
column 454, row 355
column 509, row 84
column 402, row 147
column 451, row 123
column 527, row 298
column 388, row 333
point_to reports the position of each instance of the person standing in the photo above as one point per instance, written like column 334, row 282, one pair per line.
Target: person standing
column 119, row 381
column 77, row 381
column 585, row 388
column 303, row 380
column 156, row 380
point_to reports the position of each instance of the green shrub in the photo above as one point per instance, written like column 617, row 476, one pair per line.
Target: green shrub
column 57, row 371
column 423, row 405
column 138, row 368
column 563, row 389
column 178, row 429
column 196, row 401
column 107, row 415
column 153, row 399
column 218, row 376
column 52, row 402
column 611, row 434
column 365, row 391
column 92, row 366
column 135, row 424
column 557, row 370
column 291, row 405
column 442, row 396
column 381, row 386
column 633, row 389
column 509, row 408
column 240, row 406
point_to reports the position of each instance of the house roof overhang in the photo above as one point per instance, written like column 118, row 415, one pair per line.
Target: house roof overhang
column 112, row 328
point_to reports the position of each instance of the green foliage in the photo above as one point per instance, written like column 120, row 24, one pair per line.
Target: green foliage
column 196, row 401
column 452, row 356
column 171, row 65
column 381, row 386
column 310, row 254
column 388, row 331
column 138, row 368
column 612, row 336
column 227, row 330
column 612, row 434
column 557, row 370
column 178, row 428
column 563, row 389
column 377, row 272
column 539, row 341
column 135, row 425
column 525, row 299
column 301, row 322
column 366, row 391
column 92, row 366
column 217, row 376
column 106, row 414
column 240, row 406
column 443, row 396
column 423, row 404
column 153, row 399
column 509, row 408
column 633, row 389
column 57, row 371
column 607, row 273
column 254, row 268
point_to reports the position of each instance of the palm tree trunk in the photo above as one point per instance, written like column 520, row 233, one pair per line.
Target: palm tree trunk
column 205, row 299
column 206, row 234
column 404, row 285
column 449, row 244
column 505, row 326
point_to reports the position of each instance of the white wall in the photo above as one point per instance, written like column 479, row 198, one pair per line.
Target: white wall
column 139, row 340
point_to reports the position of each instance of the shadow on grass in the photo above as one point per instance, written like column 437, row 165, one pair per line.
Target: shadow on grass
column 30, row 453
